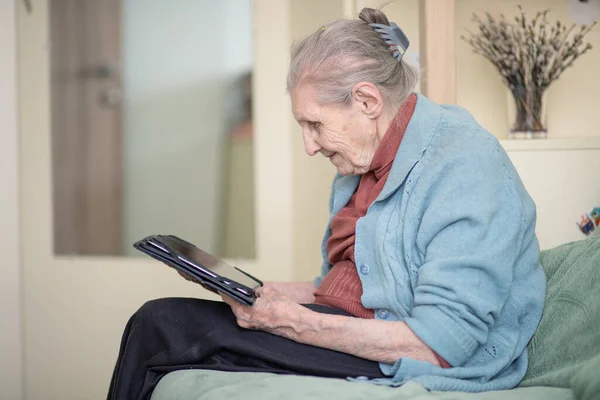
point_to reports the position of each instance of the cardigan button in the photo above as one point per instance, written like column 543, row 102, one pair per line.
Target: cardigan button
column 383, row 314
column 364, row 269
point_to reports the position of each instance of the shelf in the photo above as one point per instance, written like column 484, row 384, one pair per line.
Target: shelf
column 550, row 144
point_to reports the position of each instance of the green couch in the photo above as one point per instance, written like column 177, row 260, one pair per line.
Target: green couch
column 564, row 354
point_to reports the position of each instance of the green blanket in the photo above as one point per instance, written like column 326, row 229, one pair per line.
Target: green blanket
column 586, row 383
column 564, row 352
column 568, row 336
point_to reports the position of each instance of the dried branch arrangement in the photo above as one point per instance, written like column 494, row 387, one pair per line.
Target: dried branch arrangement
column 529, row 54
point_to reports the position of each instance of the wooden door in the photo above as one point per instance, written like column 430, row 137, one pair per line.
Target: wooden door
column 86, row 126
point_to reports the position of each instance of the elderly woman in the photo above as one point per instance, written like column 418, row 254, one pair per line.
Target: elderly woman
column 430, row 261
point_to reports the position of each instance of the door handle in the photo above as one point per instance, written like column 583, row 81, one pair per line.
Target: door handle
column 103, row 71
column 111, row 97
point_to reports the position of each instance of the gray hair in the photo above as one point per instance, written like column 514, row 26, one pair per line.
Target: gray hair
column 346, row 52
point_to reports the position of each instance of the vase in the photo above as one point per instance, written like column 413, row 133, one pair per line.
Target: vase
column 527, row 112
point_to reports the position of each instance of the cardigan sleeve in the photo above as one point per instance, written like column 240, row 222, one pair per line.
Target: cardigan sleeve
column 469, row 238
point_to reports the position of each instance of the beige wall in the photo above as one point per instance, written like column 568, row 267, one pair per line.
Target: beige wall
column 558, row 181
column 10, row 270
column 237, row 240
column 312, row 176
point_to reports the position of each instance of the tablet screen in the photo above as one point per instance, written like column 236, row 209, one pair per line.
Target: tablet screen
column 207, row 263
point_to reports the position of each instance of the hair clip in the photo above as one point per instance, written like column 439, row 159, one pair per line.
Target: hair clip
column 393, row 36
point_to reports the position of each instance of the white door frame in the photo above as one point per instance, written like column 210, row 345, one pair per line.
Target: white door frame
column 11, row 362
column 76, row 307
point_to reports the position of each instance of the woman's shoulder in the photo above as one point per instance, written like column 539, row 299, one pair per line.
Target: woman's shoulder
column 455, row 131
column 460, row 129
column 464, row 153
column 460, row 142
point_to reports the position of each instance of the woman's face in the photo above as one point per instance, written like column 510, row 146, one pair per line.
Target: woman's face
column 348, row 136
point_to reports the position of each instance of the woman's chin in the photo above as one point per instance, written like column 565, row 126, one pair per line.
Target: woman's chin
column 345, row 170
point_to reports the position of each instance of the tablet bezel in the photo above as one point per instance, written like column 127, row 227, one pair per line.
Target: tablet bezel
column 156, row 248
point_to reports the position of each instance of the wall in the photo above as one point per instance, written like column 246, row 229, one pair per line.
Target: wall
column 558, row 181
column 312, row 175
column 238, row 238
column 10, row 273
column 178, row 65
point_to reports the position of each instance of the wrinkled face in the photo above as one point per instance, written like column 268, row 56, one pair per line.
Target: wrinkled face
column 345, row 135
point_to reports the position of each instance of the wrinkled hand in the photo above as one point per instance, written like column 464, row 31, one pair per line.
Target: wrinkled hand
column 272, row 312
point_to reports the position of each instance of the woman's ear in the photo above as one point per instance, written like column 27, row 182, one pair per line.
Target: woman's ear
column 368, row 99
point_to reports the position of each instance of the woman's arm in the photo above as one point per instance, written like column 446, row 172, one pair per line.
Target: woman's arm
column 376, row 340
column 300, row 292
column 381, row 341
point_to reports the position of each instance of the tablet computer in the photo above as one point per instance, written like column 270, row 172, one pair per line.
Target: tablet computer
column 201, row 265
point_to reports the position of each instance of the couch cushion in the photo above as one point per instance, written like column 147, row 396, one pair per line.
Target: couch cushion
column 567, row 337
column 209, row 385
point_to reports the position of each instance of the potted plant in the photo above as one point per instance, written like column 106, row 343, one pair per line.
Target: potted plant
column 529, row 54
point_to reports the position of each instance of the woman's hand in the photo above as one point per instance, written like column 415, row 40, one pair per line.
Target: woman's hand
column 272, row 312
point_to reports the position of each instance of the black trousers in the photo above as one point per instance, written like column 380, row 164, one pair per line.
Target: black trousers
column 171, row 334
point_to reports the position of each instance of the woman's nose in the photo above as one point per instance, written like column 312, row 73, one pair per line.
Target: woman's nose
column 310, row 145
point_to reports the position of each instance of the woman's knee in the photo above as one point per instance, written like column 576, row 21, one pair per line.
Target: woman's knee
column 176, row 309
column 158, row 309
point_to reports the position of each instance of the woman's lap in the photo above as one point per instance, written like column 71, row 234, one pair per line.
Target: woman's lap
column 181, row 333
